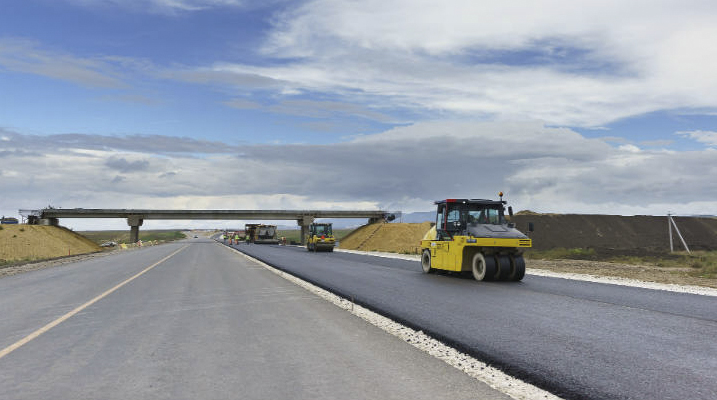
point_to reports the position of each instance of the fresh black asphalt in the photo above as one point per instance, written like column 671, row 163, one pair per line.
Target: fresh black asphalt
column 576, row 339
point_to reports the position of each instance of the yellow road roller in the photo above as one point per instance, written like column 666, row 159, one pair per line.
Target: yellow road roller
column 473, row 235
column 321, row 237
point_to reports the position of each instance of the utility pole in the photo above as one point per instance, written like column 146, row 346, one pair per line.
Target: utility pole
column 669, row 229
column 671, row 221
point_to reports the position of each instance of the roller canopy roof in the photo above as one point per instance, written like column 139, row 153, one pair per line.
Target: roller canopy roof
column 472, row 201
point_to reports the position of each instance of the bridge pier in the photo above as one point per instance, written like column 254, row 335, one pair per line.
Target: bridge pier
column 134, row 222
column 304, row 222
column 47, row 221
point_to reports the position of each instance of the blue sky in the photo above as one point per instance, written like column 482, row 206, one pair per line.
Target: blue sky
column 600, row 107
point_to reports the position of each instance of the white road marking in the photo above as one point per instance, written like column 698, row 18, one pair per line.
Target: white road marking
column 58, row 321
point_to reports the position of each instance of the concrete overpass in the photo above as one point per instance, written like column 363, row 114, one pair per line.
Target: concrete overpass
column 135, row 217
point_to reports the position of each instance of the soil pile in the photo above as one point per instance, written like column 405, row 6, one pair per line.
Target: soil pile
column 35, row 242
column 639, row 235
column 627, row 235
column 398, row 237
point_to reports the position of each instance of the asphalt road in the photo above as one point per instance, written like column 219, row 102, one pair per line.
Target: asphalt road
column 196, row 320
column 576, row 339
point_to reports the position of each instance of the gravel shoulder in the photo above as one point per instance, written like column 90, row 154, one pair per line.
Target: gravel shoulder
column 19, row 268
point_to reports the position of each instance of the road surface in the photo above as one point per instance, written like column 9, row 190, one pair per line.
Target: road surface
column 576, row 339
column 195, row 320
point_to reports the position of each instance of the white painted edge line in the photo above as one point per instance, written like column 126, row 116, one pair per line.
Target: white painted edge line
column 479, row 370
column 81, row 307
column 610, row 280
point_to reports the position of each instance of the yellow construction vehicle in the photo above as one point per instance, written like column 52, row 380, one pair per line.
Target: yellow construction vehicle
column 250, row 232
column 266, row 234
column 321, row 238
column 473, row 235
column 260, row 233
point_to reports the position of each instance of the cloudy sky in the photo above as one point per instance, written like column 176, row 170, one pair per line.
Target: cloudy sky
column 567, row 107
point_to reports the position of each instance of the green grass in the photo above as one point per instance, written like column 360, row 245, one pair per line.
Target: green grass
column 100, row 237
column 701, row 264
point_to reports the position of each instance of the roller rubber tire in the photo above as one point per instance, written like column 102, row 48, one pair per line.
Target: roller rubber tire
column 518, row 271
column 426, row 262
column 483, row 268
column 505, row 268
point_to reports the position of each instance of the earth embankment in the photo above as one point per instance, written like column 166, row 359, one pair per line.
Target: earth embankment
column 36, row 242
column 608, row 234
column 397, row 238
column 629, row 235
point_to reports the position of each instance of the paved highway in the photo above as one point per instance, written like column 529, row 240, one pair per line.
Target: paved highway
column 576, row 339
column 196, row 320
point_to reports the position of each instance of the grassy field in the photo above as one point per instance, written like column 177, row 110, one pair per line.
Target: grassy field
column 100, row 237
column 294, row 235
column 698, row 264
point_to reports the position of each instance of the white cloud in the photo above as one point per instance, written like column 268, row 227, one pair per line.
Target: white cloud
column 539, row 168
column 706, row 137
column 629, row 148
column 587, row 65
column 26, row 56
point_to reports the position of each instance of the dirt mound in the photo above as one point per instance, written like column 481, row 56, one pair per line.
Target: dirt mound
column 629, row 235
column 35, row 242
column 398, row 237
column 639, row 235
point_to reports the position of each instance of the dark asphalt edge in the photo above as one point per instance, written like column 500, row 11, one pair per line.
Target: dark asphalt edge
column 564, row 392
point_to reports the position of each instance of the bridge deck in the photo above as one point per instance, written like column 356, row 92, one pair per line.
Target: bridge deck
column 205, row 214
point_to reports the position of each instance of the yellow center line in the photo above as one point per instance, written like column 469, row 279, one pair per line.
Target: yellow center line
column 56, row 322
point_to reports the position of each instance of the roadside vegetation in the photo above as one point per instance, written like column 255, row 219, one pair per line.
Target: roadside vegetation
column 676, row 267
column 118, row 237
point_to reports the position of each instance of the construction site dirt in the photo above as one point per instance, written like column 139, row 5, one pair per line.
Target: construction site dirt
column 640, row 235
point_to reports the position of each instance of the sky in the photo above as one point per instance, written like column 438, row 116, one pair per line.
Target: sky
column 600, row 107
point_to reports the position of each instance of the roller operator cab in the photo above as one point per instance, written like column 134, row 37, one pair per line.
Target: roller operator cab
column 321, row 238
column 474, row 235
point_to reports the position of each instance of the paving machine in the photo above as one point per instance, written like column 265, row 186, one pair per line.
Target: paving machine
column 250, row 232
column 260, row 233
column 266, row 234
column 321, row 237
column 474, row 235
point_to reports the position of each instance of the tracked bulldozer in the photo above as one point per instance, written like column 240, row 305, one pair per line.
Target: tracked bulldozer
column 473, row 235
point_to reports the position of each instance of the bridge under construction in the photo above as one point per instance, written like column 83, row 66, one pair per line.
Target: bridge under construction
column 135, row 217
